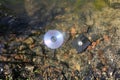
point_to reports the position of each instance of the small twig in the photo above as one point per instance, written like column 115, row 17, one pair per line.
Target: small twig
column 54, row 54
column 64, row 75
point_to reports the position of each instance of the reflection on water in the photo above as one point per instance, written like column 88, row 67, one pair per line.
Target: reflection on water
column 41, row 12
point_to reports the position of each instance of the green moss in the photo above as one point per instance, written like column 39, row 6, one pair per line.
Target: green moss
column 93, row 4
column 99, row 4
column 78, row 4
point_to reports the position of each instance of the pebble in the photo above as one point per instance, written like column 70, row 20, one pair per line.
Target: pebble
column 117, row 73
column 22, row 47
column 29, row 67
column 38, row 77
column 2, row 45
column 29, row 41
column 87, row 78
column 7, row 70
column 37, row 60
column 38, row 50
column 35, row 32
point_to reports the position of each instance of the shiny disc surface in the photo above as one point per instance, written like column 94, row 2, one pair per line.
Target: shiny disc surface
column 53, row 39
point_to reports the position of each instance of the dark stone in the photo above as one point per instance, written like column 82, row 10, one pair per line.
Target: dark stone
column 118, row 52
column 102, row 78
column 115, row 5
column 38, row 77
column 24, row 74
column 16, row 73
column 72, row 78
column 87, row 78
column 95, row 37
column 1, row 47
column 117, row 74
column 99, row 66
column 64, row 64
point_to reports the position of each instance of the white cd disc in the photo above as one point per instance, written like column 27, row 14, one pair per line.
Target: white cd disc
column 53, row 39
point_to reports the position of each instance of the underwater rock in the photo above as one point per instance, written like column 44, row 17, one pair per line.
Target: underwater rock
column 29, row 41
column 7, row 70
column 22, row 47
column 1, row 47
column 29, row 68
column 38, row 50
column 38, row 77
column 16, row 72
column 37, row 60
column 115, row 5
column 117, row 74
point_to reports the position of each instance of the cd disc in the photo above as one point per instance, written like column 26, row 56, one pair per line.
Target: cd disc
column 53, row 39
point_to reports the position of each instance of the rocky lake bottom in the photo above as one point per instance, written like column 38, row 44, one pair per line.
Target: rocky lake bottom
column 24, row 56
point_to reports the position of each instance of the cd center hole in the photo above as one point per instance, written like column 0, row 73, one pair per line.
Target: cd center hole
column 53, row 38
column 80, row 43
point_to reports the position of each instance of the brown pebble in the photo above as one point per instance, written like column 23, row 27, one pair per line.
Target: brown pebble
column 20, row 57
column 104, row 69
column 29, row 40
column 3, row 58
column 89, row 48
column 98, row 41
column 90, row 56
column 73, row 32
column 93, row 44
column 100, row 53
column 106, row 38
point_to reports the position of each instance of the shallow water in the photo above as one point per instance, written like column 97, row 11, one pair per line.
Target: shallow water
column 23, row 23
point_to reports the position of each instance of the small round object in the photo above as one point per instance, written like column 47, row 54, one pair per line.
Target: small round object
column 53, row 39
column 80, row 43
column 1, row 68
